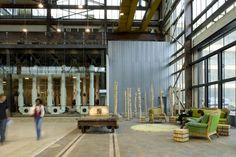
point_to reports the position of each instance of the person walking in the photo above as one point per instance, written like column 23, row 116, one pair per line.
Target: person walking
column 38, row 116
column 3, row 117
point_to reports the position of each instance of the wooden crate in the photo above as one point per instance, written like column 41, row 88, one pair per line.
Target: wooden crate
column 173, row 119
column 223, row 129
column 181, row 135
column 142, row 119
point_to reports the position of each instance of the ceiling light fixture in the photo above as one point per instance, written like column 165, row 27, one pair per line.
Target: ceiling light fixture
column 87, row 30
column 58, row 30
column 26, row 78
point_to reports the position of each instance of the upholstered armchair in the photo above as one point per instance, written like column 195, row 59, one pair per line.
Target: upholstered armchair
column 156, row 113
column 224, row 116
column 206, row 126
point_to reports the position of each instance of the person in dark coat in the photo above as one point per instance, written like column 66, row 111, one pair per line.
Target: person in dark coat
column 3, row 117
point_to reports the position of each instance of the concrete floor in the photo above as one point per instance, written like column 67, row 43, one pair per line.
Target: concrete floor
column 60, row 134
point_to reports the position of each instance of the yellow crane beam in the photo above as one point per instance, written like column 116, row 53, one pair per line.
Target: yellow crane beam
column 132, row 10
column 149, row 14
column 127, row 11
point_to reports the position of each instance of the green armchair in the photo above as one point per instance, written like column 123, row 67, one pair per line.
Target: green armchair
column 224, row 116
column 206, row 126
column 156, row 113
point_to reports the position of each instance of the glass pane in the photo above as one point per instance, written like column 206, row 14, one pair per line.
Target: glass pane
column 195, row 97
column 216, row 45
column 229, row 62
column 195, row 74
column 228, row 100
column 139, row 15
column 230, row 37
column 213, row 68
column 113, row 2
column 39, row 12
column 201, row 73
column 112, row 14
column 213, row 96
column 201, row 94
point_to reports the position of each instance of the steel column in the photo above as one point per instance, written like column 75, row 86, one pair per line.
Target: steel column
column 188, row 54
column 91, row 86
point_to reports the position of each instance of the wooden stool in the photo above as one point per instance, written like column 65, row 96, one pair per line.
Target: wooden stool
column 223, row 129
column 181, row 135
column 142, row 119
column 173, row 119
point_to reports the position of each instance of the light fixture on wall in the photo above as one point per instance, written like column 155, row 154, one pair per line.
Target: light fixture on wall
column 58, row 29
column 87, row 30
column 121, row 13
column 40, row 5
column 25, row 30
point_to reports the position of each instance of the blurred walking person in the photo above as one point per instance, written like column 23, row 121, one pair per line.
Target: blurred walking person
column 3, row 117
column 38, row 116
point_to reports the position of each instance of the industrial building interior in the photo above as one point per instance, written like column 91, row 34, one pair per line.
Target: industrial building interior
column 119, row 78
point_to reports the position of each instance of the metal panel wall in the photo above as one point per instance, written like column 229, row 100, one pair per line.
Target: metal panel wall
column 138, row 65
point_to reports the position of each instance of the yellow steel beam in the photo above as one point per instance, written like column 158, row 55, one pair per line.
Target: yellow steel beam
column 146, row 20
column 128, row 8
column 124, row 8
column 132, row 10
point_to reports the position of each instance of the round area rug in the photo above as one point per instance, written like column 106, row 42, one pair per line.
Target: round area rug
column 154, row 127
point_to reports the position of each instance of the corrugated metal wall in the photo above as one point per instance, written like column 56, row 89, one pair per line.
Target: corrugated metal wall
column 138, row 65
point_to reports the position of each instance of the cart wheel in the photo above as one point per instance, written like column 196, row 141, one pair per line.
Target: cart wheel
column 83, row 129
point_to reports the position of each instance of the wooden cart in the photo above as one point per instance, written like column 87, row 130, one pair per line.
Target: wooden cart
column 86, row 122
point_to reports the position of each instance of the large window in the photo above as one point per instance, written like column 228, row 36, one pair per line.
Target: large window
column 225, row 78
column 200, row 5
column 219, row 82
